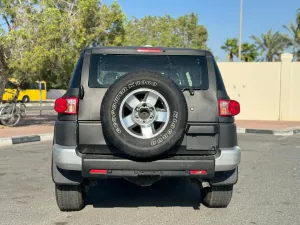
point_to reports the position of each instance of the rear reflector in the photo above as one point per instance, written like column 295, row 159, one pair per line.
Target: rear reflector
column 198, row 172
column 148, row 50
column 96, row 171
column 66, row 105
column 228, row 107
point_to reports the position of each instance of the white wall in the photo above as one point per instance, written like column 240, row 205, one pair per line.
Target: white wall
column 265, row 90
column 256, row 86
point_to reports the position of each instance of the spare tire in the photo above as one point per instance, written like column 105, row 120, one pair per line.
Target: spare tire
column 143, row 114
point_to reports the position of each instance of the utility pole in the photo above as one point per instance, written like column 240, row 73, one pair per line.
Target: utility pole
column 241, row 25
column 41, row 97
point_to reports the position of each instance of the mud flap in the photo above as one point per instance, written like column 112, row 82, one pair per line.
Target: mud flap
column 225, row 178
column 68, row 177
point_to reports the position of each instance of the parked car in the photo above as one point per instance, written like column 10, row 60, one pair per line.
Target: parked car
column 144, row 114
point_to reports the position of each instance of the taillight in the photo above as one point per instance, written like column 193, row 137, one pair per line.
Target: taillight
column 228, row 107
column 198, row 172
column 149, row 50
column 97, row 171
column 66, row 105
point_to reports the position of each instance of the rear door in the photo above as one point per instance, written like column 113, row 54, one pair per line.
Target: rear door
column 190, row 69
column 202, row 136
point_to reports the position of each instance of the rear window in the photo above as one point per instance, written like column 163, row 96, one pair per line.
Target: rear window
column 185, row 71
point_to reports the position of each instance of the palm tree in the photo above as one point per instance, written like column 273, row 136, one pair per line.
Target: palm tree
column 294, row 40
column 298, row 23
column 271, row 45
column 249, row 52
column 231, row 46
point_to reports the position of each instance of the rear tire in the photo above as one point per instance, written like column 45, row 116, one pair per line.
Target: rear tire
column 217, row 196
column 69, row 197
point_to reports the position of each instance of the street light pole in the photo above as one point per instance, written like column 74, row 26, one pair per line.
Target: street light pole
column 241, row 24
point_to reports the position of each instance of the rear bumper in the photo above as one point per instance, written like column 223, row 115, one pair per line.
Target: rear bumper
column 161, row 168
column 65, row 157
column 228, row 159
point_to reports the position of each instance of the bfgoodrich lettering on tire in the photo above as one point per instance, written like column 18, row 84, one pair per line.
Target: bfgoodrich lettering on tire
column 144, row 114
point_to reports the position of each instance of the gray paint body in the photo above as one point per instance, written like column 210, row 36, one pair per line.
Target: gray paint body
column 206, row 132
column 203, row 108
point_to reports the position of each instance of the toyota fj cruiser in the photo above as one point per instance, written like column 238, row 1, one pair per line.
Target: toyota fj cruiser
column 143, row 114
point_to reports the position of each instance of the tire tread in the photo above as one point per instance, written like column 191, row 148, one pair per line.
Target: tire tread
column 120, row 144
column 69, row 197
column 217, row 196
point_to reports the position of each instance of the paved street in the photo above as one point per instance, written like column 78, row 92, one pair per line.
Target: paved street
column 268, row 191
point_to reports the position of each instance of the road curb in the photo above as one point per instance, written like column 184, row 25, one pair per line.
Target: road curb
column 38, row 104
column 282, row 132
column 25, row 139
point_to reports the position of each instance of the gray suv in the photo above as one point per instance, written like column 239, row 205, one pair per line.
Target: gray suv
column 143, row 114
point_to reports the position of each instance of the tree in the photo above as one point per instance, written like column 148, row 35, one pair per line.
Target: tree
column 293, row 40
column 9, row 10
column 249, row 53
column 4, row 69
column 231, row 47
column 167, row 31
column 44, row 38
column 271, row 45
column 298, row 23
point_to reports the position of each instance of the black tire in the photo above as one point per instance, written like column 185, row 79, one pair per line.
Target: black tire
column 69, row 197
column 25, row 99
column 217, row 196
column 113, row 130
column 15, row 115
column 23, row 110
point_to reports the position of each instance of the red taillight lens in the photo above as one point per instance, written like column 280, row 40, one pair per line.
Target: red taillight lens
column 229, row 107
column 198, row 172
column 96, row 171
column 60, row 105
column 148, row 50
column 66, row 105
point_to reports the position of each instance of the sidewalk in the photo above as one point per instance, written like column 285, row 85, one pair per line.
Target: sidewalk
column 30, row 125
column 267, row 125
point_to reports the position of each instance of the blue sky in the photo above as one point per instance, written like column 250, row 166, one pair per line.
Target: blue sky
column 220, row 17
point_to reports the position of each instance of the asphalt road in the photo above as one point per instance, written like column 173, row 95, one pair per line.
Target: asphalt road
column 268, row 191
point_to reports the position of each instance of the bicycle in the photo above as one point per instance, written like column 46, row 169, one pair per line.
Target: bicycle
column 11, row 113
column 14, row 100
